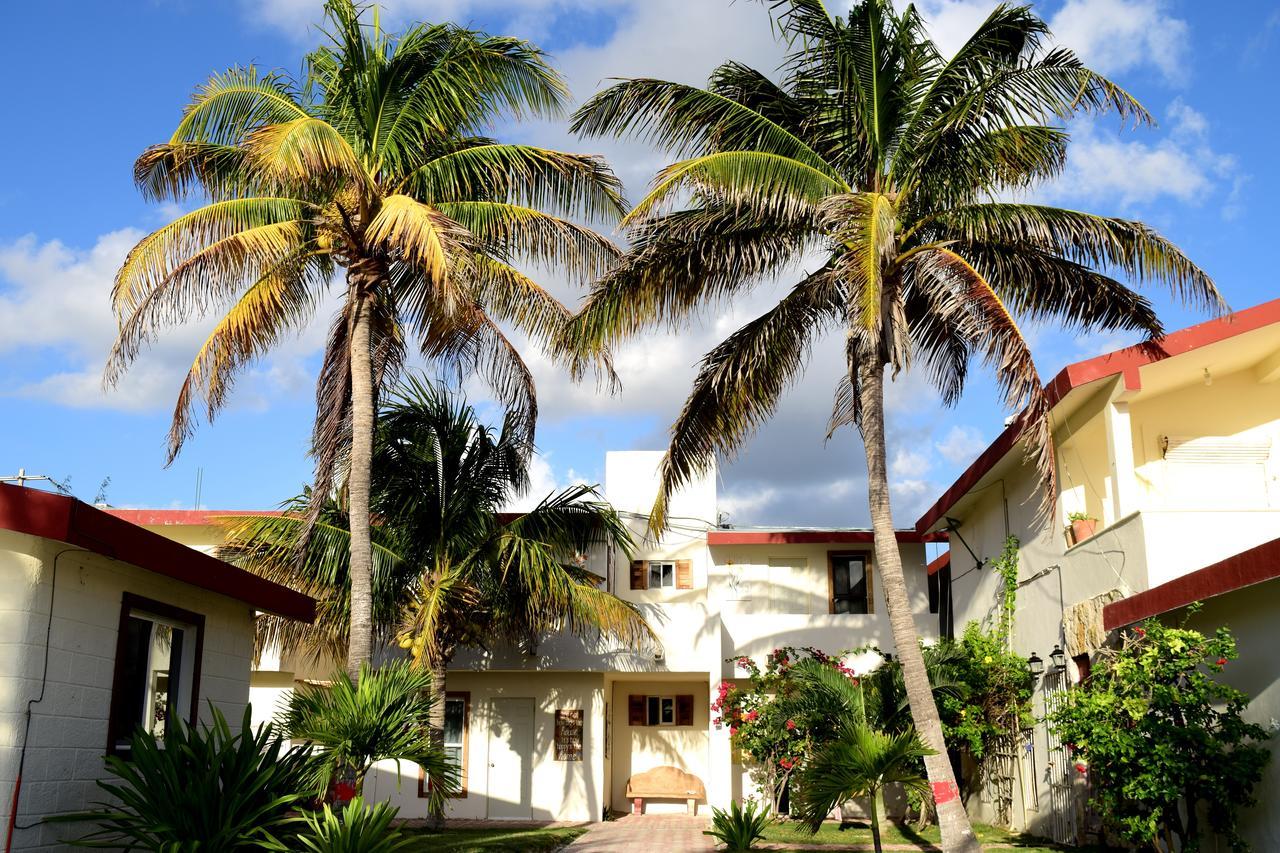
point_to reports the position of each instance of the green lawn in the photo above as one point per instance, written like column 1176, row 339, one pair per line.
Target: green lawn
column 832, row 835
column 495, row 840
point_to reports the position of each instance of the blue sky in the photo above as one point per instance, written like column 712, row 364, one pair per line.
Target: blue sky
column 99, row 82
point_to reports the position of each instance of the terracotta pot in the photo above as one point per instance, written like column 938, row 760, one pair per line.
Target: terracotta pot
column 1082, row 529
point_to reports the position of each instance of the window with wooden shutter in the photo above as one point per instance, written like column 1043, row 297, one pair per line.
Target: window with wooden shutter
column 684, row 574
column 684, row 710
column 636, row 713
column 639, row 574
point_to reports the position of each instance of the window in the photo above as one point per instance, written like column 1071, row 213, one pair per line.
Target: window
column 661, row 575
column 157, row 671
column 850, row 584
column 660, row 710
column 457, row 720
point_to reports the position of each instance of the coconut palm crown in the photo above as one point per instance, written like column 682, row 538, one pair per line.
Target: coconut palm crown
column 376, row 164
column 897, row 175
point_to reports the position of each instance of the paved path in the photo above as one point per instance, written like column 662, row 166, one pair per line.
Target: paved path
column 648, row 833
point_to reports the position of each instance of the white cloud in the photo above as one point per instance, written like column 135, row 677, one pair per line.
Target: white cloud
column 1110, row 170
column 907, row 464
column 56, row 299
column 961, row 444
column 1114, row 36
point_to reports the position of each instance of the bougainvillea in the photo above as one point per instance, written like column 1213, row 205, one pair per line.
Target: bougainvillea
column 767, row 722
column 1160, row 738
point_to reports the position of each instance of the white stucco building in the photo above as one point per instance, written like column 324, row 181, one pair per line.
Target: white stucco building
column 105, row 627
column 1173, row 450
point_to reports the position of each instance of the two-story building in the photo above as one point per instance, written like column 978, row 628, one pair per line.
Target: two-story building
column 556, row 734
column 1170, row 450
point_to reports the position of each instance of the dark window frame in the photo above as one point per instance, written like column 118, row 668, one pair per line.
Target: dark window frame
column 869, row 596
column 119, row 729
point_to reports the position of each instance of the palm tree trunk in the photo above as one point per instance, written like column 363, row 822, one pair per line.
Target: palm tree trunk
column 875, row 820
column 360, row 641
column 439, row 673
column 957, row 834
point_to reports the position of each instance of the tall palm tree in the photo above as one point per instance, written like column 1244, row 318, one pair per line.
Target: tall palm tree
column 451, row 569
column 884, row 165
column 375, row 165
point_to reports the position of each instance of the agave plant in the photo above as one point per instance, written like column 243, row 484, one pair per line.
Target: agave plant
column 357, row 828
column 204, row 788
column 385, row 714
column 739, row 828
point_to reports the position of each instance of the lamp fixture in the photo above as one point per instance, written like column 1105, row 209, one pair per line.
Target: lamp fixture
column 1059, row 658
column 1035, row 665
column 1208, row 377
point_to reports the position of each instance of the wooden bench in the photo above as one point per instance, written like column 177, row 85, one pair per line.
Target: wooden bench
column 665, row 783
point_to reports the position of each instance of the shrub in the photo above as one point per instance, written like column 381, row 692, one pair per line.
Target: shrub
column 1158, row 736
column 204, row 788
column 357, row 828
column 739, row 828
column 386, row 715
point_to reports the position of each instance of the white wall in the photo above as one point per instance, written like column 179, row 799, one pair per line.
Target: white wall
column 640, row 748
column 561, row 790
column 68, row 734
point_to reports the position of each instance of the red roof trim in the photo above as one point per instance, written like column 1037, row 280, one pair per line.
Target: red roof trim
column 66, row 519
column 801, row 537
column 939, row 563
column 1125, row 362
column 196, row 517
column 1236, row 572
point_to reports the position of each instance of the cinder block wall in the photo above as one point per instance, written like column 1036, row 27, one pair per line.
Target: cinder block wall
column 68, row 732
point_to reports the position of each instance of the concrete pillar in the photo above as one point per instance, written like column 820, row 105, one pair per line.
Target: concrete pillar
column 1124, row 484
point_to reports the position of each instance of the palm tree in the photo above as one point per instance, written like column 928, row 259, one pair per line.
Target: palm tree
column 859, row 763
column 354, row 724
column 882, row 164
column 451, row 569
column 376, row 165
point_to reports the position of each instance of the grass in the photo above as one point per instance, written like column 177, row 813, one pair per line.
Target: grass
column 501, row 840
column 858, row 834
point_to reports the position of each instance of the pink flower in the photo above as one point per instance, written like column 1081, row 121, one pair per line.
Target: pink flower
column 751, row 716
column 1222, row 661
column 1141, row 632
column 733, row 730
column 791, row 725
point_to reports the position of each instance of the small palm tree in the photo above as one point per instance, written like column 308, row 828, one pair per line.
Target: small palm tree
column 860, row 762
column 353, row 725
column 377, row 164
column 885, row 168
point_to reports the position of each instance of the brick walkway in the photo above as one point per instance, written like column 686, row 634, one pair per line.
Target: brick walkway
column 669, row 833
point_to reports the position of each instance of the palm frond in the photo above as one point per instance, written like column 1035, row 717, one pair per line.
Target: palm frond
column 231, row 105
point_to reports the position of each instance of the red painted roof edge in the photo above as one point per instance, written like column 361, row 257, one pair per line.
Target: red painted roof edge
column 1124, row 362
column 802, row 537
column 1258, row 564
column 165, row 517
column 939, row 563
column 66, row 519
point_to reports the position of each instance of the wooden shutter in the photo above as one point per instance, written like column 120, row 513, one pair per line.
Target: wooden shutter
column 636, row 711
column 639, row 574
column 684, row 574
column 684, row 710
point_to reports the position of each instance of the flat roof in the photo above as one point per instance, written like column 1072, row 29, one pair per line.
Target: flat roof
column 808, row 536
column 1124, row 362
column 180, row 517
column 65, row 519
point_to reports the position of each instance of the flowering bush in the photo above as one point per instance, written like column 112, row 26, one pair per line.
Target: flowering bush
column 1159, row 736
column 767, row 720
column 994, row 696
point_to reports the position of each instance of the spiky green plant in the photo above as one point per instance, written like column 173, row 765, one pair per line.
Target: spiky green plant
column 204, row 788
column 886, row 169
column 739, row 828
column 357, row 828
column 384, row 715
column 376, row 164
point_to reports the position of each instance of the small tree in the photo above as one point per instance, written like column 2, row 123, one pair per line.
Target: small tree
column 1160, row 738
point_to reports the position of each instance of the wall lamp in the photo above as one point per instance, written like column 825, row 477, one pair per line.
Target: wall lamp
column 1035, row 665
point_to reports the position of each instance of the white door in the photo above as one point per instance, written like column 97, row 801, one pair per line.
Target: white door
column 511, row 760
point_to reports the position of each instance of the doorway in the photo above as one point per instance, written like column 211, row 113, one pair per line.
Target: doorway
column 511, row 760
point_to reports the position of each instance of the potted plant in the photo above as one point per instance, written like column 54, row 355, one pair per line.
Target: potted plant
column 1081, row 527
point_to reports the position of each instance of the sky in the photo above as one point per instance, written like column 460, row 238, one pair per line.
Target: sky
column 92, row 84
